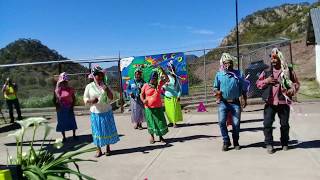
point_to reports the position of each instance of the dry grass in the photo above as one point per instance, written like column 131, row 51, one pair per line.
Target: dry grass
column 309, row 89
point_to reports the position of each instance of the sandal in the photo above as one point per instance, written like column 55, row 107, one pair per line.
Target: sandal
column 152, row 141
column 162, row 140
column 98, row 154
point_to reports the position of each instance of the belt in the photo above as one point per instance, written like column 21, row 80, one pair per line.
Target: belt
column 231, row 100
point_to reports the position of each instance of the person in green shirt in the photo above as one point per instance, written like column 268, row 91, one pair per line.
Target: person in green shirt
column 9, row 90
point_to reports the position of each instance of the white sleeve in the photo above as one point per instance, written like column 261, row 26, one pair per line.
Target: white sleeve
column 86, row 95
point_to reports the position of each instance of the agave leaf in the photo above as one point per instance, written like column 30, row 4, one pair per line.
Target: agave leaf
column 55, row 177
column 81, row 145
column 78, row 169
column 66, row 156
column 71, row 160
column 31, row 175
column 69, row 171
column 36, row 170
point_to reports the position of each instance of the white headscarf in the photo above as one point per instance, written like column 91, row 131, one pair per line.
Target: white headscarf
column 285, row 74
column 226, row 57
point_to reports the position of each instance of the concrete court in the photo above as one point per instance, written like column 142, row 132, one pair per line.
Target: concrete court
column 194, row 149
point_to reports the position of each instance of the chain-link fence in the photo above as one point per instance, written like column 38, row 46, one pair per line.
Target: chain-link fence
column 36, row 81
column 253, row 59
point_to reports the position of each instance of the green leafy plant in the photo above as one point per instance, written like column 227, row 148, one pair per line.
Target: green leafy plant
column 40, row 164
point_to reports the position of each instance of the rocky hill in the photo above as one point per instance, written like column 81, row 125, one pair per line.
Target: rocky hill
column 270, row 24
column 34, row 79
column 287, row 20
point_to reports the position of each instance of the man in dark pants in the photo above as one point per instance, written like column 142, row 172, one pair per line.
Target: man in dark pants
column 279, row 85
column 9, row 90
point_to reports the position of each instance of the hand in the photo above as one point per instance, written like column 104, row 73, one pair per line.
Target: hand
column 94, row 101
column 104, row 87
column 290, row 92
column 145, row 101
column 244, row 103
column 271, row 80
column 218, row 95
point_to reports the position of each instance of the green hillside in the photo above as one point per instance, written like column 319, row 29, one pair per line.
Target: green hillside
column 35, row 80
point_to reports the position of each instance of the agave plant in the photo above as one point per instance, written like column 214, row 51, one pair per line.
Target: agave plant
column 42, row 164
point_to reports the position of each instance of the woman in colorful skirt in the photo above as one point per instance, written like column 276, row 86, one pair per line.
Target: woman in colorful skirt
column 172, row 97
column 151, row 98
column 98, row 95
column 134, row 90
column 64, row 99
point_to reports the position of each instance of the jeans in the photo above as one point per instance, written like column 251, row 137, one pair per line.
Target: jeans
column 283, row 111
column 15, row 103
column 224, row 109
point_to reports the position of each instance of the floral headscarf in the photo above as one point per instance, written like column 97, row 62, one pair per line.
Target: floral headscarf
column 285, row 74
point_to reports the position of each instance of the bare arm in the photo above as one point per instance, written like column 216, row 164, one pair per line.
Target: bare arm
column 109, row 93
column 143, row 94
column 164, row 75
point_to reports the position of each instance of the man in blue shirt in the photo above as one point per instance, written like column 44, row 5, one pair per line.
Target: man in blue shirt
column 229, row 85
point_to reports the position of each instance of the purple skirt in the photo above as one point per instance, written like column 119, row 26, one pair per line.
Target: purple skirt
column 137, row 111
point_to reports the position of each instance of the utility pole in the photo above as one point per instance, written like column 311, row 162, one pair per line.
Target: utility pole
column 237, row 34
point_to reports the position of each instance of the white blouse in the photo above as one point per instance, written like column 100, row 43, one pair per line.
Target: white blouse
column 91, row 92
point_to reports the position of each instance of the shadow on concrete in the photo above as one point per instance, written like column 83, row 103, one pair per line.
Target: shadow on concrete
column 307, row 144
column 197, row 124
column 189, row 138
column 144, row 149
column 74, row 144
column 292, row 143
column 35, row 143
column 69, row 145
column 251, row 120
column 9, row 127
column 254, row 129
column 254, row 110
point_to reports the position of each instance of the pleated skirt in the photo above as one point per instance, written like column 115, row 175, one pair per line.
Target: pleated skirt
column 103, row 128
column 156, row 121
column 137, row 111
column 66, row 119
column 173, row 109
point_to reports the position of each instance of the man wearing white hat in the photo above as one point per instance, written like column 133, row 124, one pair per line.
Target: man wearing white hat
column 229, row 85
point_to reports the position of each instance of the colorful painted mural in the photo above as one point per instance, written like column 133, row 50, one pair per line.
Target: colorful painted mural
column 148, row 63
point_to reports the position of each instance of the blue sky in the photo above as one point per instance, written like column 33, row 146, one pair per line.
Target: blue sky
column 102, row 28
